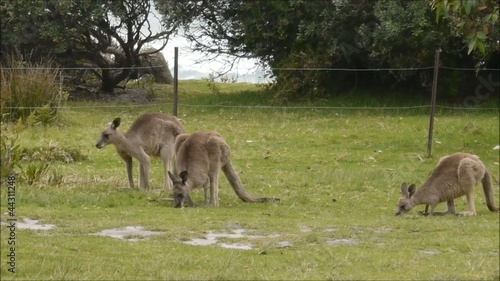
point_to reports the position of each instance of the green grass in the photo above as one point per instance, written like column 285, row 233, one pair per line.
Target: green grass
column 337, row 172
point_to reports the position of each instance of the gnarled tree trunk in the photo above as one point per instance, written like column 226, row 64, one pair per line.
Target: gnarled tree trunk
column 157, row 66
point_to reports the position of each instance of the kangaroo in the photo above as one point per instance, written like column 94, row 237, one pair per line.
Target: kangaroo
column 151, row 134
column 454, row 176
column 199, row 157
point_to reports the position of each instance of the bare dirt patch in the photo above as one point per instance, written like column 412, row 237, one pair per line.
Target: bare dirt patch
column 343, row 241
column 128, row 233
column 27, row 223
column 211, row 238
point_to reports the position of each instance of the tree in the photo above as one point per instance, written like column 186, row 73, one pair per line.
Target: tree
column 302, row 40
column 111, row 35
column 475, row 21
column 281, row 34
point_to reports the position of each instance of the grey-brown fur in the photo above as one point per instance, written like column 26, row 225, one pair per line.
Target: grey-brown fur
column 198, row 159
column 454, row 176
column 152, row 134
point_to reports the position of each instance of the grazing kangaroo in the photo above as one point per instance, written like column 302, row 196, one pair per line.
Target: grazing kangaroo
column 198, row 159
column 151, row 134
column 454, row 176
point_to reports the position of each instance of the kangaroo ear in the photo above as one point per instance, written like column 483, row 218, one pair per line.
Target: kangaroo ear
column 412, row 189
column 184, row 176
column 404, row 190
column 116, row 123
column 172, row 177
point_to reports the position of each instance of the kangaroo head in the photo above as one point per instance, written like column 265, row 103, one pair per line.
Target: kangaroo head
column 108, row 133
column 180, row 191
column 405, row 203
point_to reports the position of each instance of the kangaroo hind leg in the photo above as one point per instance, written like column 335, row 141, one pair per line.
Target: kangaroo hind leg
column 206, row 187
column 214, row 190
column 144, row 171
column 167, row 155
column 128, row 163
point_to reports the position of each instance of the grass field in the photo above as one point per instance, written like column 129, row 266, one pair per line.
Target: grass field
column 337, row 171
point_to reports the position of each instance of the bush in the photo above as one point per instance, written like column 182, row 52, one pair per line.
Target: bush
column 52, row 153
column 10, row 152
column 29, row 89
column 32, row 165
column 34, row 172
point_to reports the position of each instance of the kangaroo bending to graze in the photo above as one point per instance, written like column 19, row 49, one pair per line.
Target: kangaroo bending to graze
column 454, row 176
column 152, row 134
column 198, row 159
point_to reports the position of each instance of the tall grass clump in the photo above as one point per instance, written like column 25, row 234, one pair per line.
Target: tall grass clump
column 10, row 152
column 29, row 89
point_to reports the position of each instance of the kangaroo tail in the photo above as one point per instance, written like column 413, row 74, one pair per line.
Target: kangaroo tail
column 239, row 189
column 488, row 192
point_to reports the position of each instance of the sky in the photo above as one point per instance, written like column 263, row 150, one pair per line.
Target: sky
column 193, row 66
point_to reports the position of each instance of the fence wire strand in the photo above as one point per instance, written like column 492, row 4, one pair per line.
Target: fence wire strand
column 264, row 107
column 273, row 69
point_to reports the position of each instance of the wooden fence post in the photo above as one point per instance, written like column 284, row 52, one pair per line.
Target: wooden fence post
column 433, row 103
column 176, row 80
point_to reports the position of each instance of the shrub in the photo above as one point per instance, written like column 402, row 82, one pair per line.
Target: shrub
column 10, row 152
column 55, row 178
column 29, row 89
column 34, row 172
column 52, row 153
column 212, row 85
column 32, row 164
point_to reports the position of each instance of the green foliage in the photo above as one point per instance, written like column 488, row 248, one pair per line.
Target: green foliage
column 52, row 153
column 36, row 163
column 475, row 21
column 100, row 33
column 43, row 116
column 55, row 178
column 212, row 85
column 404, row 28
column 30, row 91
column 10, row 151
column 32, row 164
column 301, row 40
column 34, row 172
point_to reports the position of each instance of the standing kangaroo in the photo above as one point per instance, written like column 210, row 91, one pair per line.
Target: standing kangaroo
column 198, row 159
column 151, row 134
column 454, row 176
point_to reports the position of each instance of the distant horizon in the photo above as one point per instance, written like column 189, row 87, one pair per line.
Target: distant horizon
column 195, row 65
column 252, row 78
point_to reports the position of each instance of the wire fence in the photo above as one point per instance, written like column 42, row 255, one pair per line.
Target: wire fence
column 272, row 69
column 270, row 107
column 484, row 90
column 153, row 104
